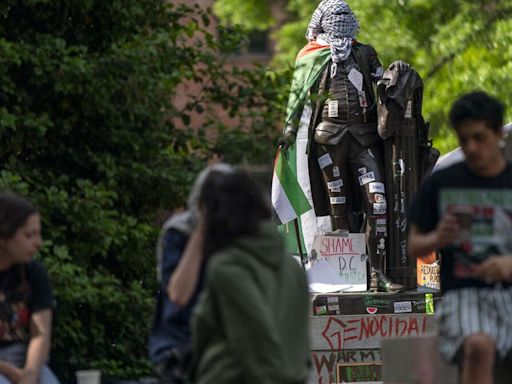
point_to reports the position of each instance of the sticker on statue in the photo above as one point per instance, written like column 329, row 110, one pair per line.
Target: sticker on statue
column 367, row 178
column 377, row 188
column 333, row 108
column 324, row 161
column 335, row 184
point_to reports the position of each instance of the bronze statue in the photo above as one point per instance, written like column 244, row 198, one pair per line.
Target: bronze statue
column 344, row 151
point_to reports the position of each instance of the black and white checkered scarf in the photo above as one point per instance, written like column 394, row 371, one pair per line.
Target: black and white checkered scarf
column 334, row 22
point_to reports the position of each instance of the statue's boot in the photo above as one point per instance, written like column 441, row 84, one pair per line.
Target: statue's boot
column 379, row 282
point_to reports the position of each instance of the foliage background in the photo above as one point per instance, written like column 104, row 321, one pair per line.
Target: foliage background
column 90, row 133
column 456, row 46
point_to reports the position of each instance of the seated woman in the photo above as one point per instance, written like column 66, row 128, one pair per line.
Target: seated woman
column 26, row 301
column 251, row 320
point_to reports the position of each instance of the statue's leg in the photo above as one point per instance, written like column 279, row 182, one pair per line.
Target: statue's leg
column 367, row 164
column 333, row 163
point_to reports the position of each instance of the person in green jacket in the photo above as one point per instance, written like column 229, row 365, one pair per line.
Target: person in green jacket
column 251, row 322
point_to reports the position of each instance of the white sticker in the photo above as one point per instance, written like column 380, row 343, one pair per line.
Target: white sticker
column 324, row 161
column 336, row 189
column 338, row 200
column 333, row 307
column 379, row 198
column 377, row 188
column 408, row 111
column 381, row 229
column 356, row 78
column 335, row 184
column 363, row 103
column 333, row 108
column 362, row 170
column 336, row 171
column 379, row 208
column 403, row 306
column 382, row 221
column 367, row 178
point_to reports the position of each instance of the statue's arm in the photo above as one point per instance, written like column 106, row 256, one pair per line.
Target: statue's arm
column 376, row 68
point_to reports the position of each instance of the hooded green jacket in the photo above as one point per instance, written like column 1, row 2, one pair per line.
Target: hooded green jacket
column 251, row 322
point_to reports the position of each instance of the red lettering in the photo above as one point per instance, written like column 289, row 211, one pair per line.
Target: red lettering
column 398, row 330
column 413, row 326
column 326, row 249
column 424, row 327
column 324, row 362
column 374, row 327
column 383, row 319
column 365, row 328
column 346, row 243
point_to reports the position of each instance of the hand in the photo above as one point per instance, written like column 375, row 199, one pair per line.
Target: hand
column 447, row 231
column 285, row 141
column 402, row 66
column 496, row 268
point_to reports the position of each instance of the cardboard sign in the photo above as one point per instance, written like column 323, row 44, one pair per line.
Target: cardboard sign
column 346, row 258
column 359, row 372
column 428, row 273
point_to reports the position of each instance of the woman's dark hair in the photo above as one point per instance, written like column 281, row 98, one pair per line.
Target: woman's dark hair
column 478, row 106
column 233, row 205
column 14, row 212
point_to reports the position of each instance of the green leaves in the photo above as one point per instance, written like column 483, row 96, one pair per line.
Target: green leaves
column 97, row 103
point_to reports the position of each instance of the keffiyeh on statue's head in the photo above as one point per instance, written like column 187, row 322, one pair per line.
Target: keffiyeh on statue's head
column 334, row 22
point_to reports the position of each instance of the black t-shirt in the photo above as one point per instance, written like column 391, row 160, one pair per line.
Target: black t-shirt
column 483, row 206
column 24, row 290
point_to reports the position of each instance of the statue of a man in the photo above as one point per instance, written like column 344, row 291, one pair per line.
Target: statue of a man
column 335, row 88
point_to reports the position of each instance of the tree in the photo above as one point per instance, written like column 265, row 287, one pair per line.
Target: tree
column 90, row 134
column 456, row 46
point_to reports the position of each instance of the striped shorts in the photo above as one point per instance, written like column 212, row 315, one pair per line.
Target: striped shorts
column 468, row 311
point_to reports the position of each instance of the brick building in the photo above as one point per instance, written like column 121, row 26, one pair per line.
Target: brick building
column 259, row 49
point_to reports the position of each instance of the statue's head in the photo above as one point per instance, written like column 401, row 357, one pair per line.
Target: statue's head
column 333, row 18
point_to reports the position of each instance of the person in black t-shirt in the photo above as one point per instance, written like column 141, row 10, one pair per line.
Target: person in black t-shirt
column 26, row 301
column 465, row 212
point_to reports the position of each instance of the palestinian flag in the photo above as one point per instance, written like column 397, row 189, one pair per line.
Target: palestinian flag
column 288, row 199
column 309, row 65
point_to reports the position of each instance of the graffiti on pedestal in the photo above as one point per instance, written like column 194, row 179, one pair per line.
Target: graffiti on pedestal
column 336, row 331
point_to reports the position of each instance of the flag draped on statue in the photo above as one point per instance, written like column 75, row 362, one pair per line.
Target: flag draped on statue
column 310, row 62
column 288, row 199
column 308, row 67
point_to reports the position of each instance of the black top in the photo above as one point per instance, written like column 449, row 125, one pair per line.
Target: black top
column 24, row 290
column 483, row 206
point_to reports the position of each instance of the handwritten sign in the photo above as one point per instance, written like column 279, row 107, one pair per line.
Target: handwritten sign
column 429, row 275
column 346, row 256
column 359, row 373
